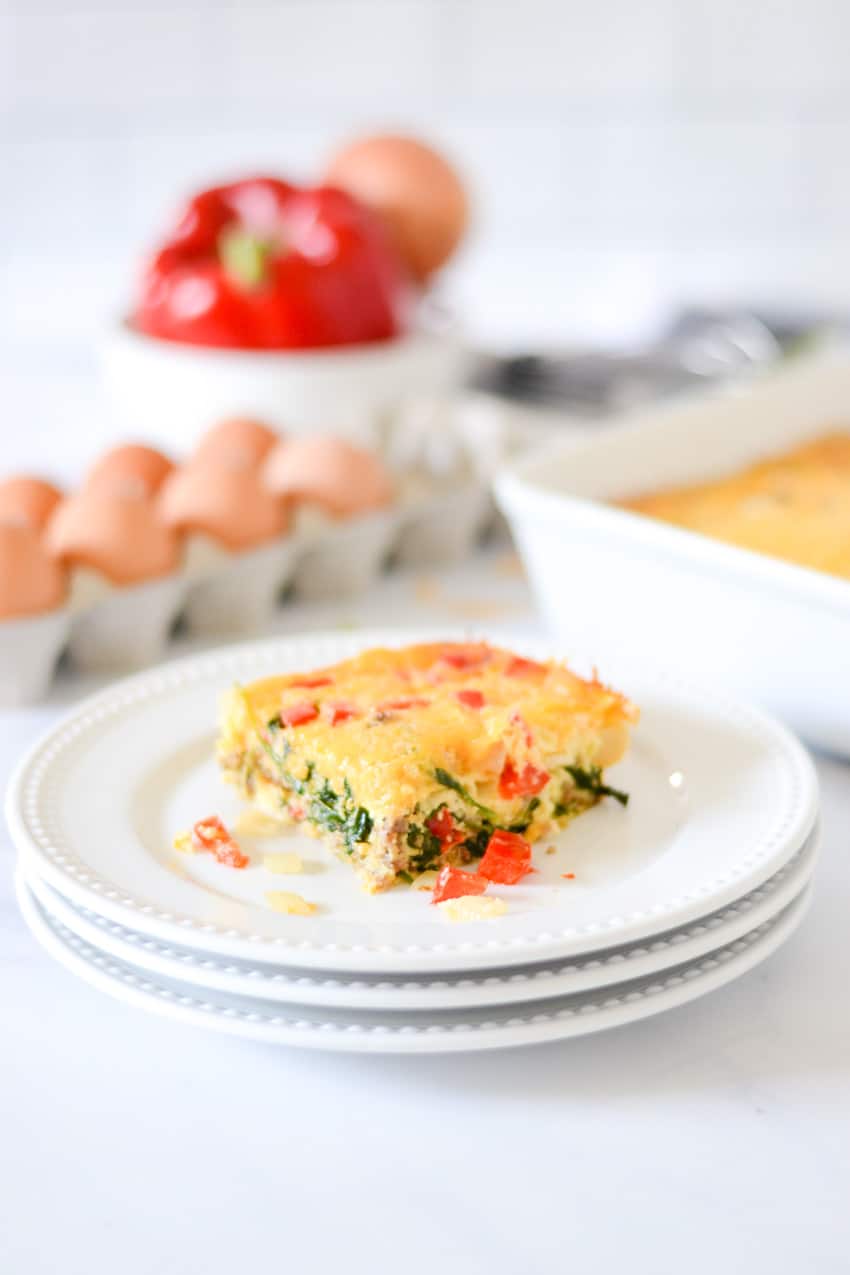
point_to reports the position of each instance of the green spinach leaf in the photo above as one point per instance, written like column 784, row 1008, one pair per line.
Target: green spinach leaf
column 590, row 780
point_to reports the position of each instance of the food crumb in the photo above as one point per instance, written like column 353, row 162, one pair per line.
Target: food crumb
column 568, row 876
column 425, row 880
column 471, row 907
column 209, row 836
column 254, row 823
column 550, row 849
column 289, row 904
column 286, row 864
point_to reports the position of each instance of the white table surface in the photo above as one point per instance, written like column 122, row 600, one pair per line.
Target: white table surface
column 712, row 1139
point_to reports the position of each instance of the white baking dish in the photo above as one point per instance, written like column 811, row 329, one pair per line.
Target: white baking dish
column 606, row 578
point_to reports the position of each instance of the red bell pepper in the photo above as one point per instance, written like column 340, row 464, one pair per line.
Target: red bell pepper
column 340, row 710
column 261, row 264
column 471, row 698
column 507, row 858
column 299, row 714
column 525, row 781
column 452, row 883
column 442, row 825
column 397, row 705
column 519, row 666
column 210, row 835
column 465, row 657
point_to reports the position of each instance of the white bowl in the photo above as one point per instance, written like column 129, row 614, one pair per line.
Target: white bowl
column 610, row 580
column 169, row 393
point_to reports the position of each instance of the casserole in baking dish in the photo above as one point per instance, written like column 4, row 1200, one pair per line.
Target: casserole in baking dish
column 773, row 630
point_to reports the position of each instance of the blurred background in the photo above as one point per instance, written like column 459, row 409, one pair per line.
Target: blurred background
column 625, row 156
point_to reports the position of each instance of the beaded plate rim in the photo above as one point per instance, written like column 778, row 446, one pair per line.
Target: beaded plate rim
column 450, row 1031
column 294, row 987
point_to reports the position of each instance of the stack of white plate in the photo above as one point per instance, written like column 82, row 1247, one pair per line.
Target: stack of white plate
column 635, row 910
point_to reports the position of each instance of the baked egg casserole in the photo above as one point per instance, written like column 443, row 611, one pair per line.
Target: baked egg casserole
column 412, row 759
column 794, row 506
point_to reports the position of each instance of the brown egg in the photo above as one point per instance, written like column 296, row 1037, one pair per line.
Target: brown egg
column 28, row 500
column 335, row 475
column 131, row 470
column 121, row 537
column 230, row 506
column 30, row 580
column 418, row 194
column 239, row 443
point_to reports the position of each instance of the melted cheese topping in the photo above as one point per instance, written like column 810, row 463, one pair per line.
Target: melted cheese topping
column 795, row 506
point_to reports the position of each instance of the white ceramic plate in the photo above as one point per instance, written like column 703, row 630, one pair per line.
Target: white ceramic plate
column 498, row 987
column 439, row 1032
column 722, row 798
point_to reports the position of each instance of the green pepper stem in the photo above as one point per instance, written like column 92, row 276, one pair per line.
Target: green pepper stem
column 245, row 257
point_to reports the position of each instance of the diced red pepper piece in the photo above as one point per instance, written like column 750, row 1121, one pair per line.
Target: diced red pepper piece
column 403, row 703
column 211, row 835
column 526, row 781
column 452, row 883
column 510, row 844
column 444, row 828
column 340, row 711
column 519, row 666
column 507, row 858
column 501, row 871
column 472, row 699
column 309, row 683
column 466, row 656
column 298, row 714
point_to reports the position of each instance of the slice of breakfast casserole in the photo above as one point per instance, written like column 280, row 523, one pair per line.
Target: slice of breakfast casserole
column 408, row 759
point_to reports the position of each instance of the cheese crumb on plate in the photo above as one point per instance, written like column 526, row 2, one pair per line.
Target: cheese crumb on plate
column 472, row 907
column 256, row 823
column 289, row 904
column 183, row 843
column 285, row 864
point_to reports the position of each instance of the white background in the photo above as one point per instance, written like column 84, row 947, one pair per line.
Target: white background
column 624, row 154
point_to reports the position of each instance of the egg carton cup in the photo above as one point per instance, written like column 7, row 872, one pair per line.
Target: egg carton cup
column 236, row 593
column 324, row 558
column 123, row 627
column 30, row 647
column 341, row 558
column 444, row 527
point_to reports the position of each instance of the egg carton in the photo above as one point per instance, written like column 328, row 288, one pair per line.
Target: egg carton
column 443, row 453
column 220, row 593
